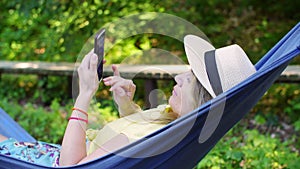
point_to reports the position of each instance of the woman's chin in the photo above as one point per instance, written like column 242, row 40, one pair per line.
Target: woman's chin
column 170, row 101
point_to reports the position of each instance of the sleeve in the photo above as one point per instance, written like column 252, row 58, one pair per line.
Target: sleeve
column 128, row 109
column 91, row 134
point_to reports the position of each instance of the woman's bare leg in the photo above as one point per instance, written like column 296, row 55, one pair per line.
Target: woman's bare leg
column 2, row 138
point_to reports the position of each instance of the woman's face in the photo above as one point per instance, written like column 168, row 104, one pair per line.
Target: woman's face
column 182, row 100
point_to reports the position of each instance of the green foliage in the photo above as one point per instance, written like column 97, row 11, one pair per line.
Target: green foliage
column 297, row 125
column 280, row 105
column 250, row 150
column 35, row 89
column 46, row 124
column 56, row 30
column 254, row 25
column 281, row 100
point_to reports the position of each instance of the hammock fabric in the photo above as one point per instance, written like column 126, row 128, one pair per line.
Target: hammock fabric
column 158, row 150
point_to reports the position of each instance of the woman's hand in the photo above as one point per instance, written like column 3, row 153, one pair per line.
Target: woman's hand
column 123, row 92
column 123, row 89
column 88, row 79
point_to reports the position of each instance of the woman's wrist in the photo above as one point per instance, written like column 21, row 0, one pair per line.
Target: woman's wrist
column 86, row 95
column 83, row 101
column 129, row 108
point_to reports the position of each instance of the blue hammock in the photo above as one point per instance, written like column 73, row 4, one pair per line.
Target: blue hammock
column 146, row 153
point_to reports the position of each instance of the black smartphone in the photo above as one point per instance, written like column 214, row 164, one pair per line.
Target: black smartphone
column 99, row 51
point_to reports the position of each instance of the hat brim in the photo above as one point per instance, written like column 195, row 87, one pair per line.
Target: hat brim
column 195, row 48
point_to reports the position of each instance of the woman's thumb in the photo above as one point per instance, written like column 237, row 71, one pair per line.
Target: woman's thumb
column 94, row 62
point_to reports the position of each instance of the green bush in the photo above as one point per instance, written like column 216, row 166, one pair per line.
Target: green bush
column 44, row 124
column 250, row 149
column 48, row 123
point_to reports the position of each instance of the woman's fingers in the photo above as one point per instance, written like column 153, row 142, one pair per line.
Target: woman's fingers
column 112, row 80
column 115, row 70
column 118, row 82
column 86, row 60
column 116, row 74
column 125, row 84
column 120, row 85
column 121, row 91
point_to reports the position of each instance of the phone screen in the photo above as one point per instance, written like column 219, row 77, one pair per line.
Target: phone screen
column 99, row 51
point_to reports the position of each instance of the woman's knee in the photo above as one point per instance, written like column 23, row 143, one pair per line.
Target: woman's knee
column 2, row 138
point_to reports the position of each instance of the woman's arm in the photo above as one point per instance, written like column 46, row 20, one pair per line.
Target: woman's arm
column 115, row 143
column 73, row 147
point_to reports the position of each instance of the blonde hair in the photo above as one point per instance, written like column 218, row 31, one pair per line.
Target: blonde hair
column 201, row 95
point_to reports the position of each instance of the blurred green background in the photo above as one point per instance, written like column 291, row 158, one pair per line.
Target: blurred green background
column 57, row 30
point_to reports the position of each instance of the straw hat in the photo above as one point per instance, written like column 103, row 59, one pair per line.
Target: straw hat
column 217, row 69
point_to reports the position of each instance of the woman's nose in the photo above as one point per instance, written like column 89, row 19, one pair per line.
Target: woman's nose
column 178, row 80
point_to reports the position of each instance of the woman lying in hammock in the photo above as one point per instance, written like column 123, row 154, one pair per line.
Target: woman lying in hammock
column 213, row 71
